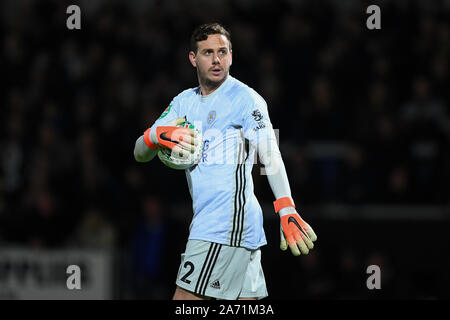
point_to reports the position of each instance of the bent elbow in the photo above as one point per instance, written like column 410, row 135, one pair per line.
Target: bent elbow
column 138, row 157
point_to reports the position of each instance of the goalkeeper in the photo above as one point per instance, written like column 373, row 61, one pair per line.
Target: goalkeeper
column 222, row 258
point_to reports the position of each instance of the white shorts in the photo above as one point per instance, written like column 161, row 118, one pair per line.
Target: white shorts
column 220, row 271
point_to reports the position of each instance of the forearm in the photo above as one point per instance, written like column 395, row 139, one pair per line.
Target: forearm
column 142, row 153
column 276, row 172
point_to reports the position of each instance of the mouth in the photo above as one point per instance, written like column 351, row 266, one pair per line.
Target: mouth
column 216, row 71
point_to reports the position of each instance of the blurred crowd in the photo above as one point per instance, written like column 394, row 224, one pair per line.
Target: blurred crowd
column 363, row 115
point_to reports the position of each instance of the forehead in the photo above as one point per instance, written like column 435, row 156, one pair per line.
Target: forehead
column 213, row 41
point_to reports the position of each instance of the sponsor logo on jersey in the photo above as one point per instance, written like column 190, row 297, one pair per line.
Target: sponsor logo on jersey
column 205, row 148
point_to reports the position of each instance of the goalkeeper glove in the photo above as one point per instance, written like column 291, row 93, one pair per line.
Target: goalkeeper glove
column 294, row 231
column 177, row 139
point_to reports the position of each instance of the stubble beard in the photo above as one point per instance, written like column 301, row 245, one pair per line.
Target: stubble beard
column 209, row 84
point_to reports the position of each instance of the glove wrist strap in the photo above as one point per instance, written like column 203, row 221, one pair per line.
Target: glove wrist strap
column 283, row 203
column 147, row 140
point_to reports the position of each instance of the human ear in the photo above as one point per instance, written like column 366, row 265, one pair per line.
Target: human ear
column 192, row 59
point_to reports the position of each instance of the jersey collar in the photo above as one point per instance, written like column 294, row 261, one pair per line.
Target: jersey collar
column 214, row 93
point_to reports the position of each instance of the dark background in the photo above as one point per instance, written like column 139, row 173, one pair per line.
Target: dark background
column 363, row 118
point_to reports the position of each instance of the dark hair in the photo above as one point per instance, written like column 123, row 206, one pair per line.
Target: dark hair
column 202, row 32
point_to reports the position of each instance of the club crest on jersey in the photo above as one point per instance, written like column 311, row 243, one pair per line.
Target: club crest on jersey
column 211, row 117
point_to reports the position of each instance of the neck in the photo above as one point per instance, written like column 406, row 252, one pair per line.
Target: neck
column 209, row 87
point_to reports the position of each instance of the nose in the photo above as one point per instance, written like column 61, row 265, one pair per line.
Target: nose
column 216, row 59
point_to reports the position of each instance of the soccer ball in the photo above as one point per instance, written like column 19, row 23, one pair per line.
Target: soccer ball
column 176, row 161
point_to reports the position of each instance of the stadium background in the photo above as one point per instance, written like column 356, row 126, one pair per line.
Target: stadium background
column 364, row 120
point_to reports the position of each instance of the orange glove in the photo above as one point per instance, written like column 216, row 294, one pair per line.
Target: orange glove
column 173, row 137
column 294, row 231
column 170, row 137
